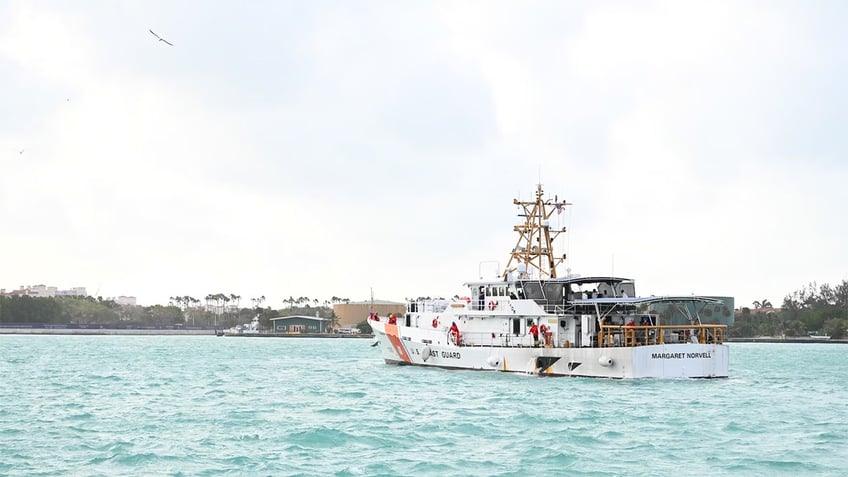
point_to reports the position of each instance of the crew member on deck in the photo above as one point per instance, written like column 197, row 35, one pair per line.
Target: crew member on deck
column 629, row 333
column 546, row 334
column 454, row 330
column 645, row 321
column 534, row 330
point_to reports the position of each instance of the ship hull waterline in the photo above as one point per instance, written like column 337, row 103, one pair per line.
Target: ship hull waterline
column 651, row 361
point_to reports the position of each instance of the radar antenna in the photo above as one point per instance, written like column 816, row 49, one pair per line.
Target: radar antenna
column 534, row 248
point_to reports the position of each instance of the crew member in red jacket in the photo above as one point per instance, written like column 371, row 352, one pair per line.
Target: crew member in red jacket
column 454, row 330
column 534, row 330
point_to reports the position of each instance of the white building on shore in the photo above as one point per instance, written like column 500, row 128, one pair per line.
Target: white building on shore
column 44, row 291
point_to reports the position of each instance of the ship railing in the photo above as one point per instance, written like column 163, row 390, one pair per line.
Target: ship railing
column 427, row 306
column 561, row 309
column 486, row 339
column 574, row 309
column 624, row 335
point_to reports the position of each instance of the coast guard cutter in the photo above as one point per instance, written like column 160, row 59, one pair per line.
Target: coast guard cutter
column 529, row 320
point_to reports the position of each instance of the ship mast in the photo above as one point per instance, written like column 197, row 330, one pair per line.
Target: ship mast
column 534, row 248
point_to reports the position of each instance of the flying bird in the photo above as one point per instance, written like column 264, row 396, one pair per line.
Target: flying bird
column 160, row 38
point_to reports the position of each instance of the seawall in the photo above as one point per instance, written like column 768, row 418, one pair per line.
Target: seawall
column 154, row 332
column 772, row 339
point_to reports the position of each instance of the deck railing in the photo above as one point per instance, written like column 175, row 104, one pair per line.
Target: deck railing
column 623, row 335
column 486, row 338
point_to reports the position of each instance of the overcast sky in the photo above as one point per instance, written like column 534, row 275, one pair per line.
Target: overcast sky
column 325, row 148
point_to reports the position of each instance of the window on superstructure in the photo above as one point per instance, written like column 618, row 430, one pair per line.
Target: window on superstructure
column 533, row 291
column 554, row 291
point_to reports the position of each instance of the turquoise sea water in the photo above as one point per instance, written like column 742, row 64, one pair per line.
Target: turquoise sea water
column 182, row 405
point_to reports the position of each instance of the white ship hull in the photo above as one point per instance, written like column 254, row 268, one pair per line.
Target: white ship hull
column 686, row 360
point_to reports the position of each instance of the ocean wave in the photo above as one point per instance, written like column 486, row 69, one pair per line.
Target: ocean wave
column 212, row 406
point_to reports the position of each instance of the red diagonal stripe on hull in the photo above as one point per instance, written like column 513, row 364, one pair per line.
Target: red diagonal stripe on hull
column 397, row 344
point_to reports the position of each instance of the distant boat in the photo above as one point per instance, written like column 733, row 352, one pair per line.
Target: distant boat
column 819, row 337
column 251, row 328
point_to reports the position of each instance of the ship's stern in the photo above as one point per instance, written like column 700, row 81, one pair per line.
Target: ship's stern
column 681, row 361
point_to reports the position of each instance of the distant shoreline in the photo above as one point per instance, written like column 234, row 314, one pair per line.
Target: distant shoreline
column 795, row 339
column 157, row 332
column 101, row 331
column 165, row 332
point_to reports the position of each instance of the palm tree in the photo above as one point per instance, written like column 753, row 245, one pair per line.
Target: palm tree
column 334, row 320
column 209, row 298
column 225, row 300
column 237, row 300
column 190, row 312
column 221, row 300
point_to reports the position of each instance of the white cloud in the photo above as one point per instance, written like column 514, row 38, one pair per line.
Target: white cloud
column 326, row 149
column 51, row 44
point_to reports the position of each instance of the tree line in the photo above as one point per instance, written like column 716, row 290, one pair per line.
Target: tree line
column 813, row 309
column 220, row 311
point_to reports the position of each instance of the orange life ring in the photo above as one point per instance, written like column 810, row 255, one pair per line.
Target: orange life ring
column 492, row 305
column 435, row 322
